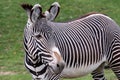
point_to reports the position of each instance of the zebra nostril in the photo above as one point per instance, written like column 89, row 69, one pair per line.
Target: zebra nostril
column 58, row 65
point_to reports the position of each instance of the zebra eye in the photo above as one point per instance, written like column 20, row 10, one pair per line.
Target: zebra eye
column 38, row 36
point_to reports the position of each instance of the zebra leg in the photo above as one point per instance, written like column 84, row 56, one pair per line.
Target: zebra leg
column 115, row 64
column 98, row 74
column 116, row 70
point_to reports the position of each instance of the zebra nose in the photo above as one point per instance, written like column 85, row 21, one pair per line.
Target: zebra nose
column 57, row 68
column 60, row 66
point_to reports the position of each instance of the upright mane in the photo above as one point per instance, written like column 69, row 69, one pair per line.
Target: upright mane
column 83, row 16
column 88, row 14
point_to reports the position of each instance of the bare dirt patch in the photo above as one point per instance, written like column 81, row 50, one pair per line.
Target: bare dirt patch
column 7, row 73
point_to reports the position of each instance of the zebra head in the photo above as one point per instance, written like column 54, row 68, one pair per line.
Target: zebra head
column 42, row 57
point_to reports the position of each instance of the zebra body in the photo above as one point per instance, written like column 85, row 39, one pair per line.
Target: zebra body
column 70, row 49
column 84, row 43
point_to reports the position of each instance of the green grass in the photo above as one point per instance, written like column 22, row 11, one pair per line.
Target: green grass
column 13, row 19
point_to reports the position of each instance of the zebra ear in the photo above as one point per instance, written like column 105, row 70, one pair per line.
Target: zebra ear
column 36, row 12
column 53, row 11
column 27, row 8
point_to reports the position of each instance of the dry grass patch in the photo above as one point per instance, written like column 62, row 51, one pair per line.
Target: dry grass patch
column 7, row 73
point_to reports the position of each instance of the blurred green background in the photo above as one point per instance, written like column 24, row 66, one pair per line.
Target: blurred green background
column 13, row 19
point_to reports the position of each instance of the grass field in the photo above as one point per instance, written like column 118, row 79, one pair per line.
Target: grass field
column 13, row 19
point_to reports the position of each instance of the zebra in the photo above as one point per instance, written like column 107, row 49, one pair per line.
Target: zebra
column 70, row 49
column 43, row 61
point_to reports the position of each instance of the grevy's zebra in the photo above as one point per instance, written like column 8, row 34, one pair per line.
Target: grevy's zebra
column 82, row 45
column 42, row 57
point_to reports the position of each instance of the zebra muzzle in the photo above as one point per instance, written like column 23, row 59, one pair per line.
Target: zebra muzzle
column 57, row 68
column 57, row 65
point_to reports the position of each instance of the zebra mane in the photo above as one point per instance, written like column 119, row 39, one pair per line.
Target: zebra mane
column 88, row 14
column 84, row 16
